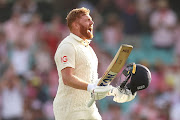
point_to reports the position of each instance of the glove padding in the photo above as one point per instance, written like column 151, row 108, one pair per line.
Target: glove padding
column 98, row 92
column 121, row 95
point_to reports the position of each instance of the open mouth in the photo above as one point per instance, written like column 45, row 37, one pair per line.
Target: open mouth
column 90, row 29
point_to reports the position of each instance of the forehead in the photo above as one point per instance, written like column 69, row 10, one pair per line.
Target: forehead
column 85, row 16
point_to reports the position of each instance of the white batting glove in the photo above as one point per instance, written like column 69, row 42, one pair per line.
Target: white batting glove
column 121, row 95
column 98, row 92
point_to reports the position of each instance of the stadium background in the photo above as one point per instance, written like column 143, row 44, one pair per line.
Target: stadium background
column 30, row 31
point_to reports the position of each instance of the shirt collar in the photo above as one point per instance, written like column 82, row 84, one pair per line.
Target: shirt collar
column 84, row 42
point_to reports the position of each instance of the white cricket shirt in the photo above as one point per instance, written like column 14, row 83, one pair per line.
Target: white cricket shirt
column 74, row 52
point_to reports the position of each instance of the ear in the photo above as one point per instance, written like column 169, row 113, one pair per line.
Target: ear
column 75, row 25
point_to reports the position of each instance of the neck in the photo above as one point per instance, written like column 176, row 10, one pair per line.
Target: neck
column 78, row 34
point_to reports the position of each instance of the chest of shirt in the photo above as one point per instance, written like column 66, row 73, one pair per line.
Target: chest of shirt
column 86, row 55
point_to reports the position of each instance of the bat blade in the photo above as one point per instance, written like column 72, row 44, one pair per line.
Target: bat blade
column 115, row 67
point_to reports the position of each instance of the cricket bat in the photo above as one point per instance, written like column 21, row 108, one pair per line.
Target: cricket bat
column 115, row 67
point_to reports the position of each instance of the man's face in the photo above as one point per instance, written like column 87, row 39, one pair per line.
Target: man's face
column 86, row 26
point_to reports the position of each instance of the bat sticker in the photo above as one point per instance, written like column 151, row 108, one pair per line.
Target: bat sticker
column 109, row 77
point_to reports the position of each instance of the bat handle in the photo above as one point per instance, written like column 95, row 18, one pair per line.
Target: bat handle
column 91, row 102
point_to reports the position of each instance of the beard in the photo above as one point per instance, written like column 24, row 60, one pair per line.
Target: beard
column 85, row 32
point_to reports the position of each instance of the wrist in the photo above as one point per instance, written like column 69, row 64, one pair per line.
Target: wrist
column 90, row 87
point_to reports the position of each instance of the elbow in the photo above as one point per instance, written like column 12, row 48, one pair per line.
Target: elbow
column 67, row 76
column 66, row 80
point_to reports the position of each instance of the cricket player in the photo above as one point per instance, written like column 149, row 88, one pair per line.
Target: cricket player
column 77, row 69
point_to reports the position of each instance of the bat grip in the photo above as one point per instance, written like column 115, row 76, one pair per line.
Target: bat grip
column 91, row 102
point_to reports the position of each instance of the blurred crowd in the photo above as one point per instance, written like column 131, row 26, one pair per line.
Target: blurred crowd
column 31, row 30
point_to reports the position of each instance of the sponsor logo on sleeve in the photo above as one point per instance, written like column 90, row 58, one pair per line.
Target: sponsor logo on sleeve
column 64, row 59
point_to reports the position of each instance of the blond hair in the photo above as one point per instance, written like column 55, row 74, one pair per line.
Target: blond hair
column 74, row 14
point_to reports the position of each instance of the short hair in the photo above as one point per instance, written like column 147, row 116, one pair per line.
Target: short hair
column 74, row 14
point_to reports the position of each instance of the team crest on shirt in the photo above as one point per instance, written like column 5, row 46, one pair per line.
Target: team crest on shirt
column 64, row 59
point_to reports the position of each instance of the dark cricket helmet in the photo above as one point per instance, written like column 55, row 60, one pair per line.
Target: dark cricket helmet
column 139, row 76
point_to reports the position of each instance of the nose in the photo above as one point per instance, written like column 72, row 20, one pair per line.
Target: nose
column 92, row 22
